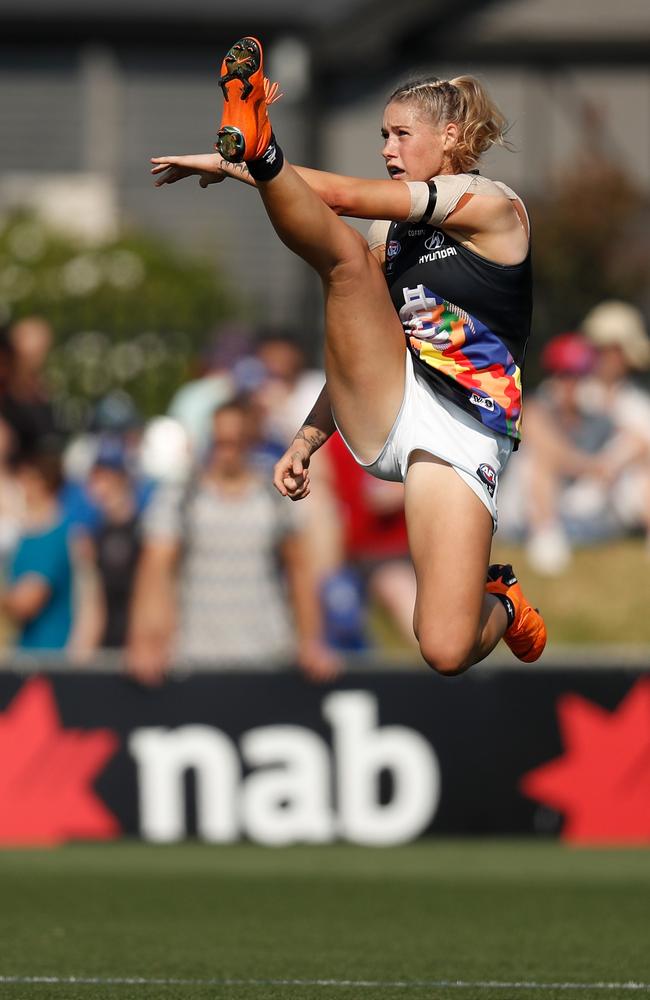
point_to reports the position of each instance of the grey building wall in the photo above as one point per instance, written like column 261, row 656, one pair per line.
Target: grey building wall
column 99, row 112
column 545, row 109
column 41, row 103
column 102, row 109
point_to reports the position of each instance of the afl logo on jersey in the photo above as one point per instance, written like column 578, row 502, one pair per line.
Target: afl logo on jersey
column 436, row 241
column 394, row 247
column 488, row 477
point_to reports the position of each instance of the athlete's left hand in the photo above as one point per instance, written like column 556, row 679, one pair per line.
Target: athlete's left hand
column 291, row 472
column 205, row 166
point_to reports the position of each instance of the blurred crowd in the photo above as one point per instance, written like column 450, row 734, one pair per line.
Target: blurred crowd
column 163, row 543
column 583, row 475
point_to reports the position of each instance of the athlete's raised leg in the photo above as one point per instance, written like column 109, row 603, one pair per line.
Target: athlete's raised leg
column 365, row 347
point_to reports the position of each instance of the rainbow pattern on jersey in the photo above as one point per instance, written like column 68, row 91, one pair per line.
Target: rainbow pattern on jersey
column 459, row 346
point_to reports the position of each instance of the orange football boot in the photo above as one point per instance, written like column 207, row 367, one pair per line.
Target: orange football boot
column 526, row 637
column 245, row 131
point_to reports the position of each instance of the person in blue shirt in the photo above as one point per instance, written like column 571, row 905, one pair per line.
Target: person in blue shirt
column 39, row 593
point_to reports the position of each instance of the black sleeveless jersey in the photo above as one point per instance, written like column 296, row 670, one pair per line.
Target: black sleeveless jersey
column 466, row 320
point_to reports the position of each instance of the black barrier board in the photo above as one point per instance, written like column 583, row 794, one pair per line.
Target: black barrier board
column 377, row 758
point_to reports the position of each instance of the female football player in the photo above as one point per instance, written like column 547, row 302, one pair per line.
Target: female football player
column 426, row 327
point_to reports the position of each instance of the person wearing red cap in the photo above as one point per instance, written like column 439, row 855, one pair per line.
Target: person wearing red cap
column 576, row 451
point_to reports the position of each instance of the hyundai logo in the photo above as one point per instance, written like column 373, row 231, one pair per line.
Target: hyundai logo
column 435, row 242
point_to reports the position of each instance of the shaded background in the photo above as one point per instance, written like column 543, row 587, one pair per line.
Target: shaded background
column 135, row 279
column 90, row 91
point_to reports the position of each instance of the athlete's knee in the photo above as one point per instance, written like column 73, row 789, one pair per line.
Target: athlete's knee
column 447, row 654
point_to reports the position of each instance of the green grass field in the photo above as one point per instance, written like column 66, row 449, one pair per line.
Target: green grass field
column 439, row 919
column 580, row 606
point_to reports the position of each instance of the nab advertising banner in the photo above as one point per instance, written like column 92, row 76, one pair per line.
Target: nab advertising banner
column 379, row 758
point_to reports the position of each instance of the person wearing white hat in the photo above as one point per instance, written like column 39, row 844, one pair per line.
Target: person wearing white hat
column 557, row 498
column 616, row 324
column 585, row 473
column 619, row 335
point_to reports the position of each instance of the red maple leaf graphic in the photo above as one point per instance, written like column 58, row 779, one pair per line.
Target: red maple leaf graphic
column 602, row 782
column 46, row 773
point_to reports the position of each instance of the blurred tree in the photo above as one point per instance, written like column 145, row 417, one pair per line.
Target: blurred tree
column 590, row 238
column 129, row 314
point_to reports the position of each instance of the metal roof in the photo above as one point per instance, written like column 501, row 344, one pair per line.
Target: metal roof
column 353, row 38
column 257, row 12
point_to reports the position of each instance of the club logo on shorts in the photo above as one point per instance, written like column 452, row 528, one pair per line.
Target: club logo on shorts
column 435, row 242
column 488, row 477
column 483, row 401
column 394, row 247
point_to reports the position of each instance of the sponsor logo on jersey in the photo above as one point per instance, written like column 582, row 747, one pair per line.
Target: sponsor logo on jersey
column 488, row 477
column 435, row 242
column 394, row 247
column 416, row 232
column 483, row 401
column 428, row 258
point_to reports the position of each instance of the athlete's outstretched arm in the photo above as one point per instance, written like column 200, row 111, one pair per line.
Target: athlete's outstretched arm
column 490, row 224
column 354, row 197
column 210, row 168
column 291, row 473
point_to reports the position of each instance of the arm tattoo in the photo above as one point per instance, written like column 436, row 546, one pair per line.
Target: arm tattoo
column 311, row 435
column 234, row 168
column 319, row 425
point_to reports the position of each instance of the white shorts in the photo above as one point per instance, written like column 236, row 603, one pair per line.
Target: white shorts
column 429, row 422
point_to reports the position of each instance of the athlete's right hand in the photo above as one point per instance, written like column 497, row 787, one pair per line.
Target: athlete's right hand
column 291, row 473
column 205, row 166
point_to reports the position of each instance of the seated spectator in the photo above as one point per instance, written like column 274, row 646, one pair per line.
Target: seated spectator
column 114, row 424
column 10, row 515
column 284, row 391
column 291, row 387
column 195, row 402
column 207, row 587
column 375, row 542
column 10, row 497
column 115, row 540
column 38, row 596
column 584, row 471
column 6, row 363
column 619, row 335
column 24, row 399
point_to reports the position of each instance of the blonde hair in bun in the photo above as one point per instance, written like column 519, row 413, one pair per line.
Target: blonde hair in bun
column 465, row 102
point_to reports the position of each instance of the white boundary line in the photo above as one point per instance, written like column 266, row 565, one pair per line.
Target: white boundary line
column 453, row 984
